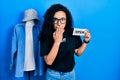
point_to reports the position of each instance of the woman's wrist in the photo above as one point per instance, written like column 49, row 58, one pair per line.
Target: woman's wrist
column 57, row 43
column 86, row 41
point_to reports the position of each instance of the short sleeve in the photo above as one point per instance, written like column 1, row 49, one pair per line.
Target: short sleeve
column 44, row 47
column 78, row 42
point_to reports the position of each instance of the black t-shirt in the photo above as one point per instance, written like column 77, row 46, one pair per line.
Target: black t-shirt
column 64, row 60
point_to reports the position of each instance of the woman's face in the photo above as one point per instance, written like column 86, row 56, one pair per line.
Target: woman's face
column 59, row 20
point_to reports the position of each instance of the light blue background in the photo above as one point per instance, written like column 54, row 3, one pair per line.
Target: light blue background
column 100, row 60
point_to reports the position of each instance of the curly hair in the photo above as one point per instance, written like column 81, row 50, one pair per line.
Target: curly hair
column 48, row 26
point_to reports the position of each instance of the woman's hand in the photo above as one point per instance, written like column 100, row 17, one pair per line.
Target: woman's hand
column 87, row 36
column 58, row 35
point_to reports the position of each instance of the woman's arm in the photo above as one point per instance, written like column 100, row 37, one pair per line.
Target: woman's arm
column 52, row 54
column 81, row 49
column 57, row 36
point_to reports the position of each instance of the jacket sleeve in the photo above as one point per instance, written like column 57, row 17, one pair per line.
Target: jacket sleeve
column 13, row 48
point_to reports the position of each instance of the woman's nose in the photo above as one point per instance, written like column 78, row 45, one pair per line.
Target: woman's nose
column 58, row 23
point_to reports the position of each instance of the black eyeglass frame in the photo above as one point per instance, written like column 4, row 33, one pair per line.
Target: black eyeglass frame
column 56, row 20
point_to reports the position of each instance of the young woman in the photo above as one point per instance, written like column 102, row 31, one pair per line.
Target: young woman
column 58, row 45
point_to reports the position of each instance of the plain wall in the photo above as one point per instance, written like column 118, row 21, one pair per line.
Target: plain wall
column 100, row 60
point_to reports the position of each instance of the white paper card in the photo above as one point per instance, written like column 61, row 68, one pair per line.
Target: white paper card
column 78, row 32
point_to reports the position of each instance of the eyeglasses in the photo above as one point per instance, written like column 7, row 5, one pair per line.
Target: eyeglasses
column 62, row 20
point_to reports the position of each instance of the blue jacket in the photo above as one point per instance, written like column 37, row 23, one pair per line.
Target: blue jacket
column 18, row 51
